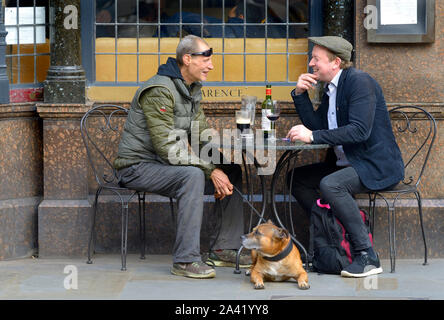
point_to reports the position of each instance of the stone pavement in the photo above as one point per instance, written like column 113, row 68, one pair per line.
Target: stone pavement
column 151, row 279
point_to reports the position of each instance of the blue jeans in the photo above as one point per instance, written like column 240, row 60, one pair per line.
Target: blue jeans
column 335, row 185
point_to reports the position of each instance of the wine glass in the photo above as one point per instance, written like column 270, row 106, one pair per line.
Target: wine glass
column 273, row 116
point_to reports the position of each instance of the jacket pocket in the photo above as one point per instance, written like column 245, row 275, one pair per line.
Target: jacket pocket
column 126, row 175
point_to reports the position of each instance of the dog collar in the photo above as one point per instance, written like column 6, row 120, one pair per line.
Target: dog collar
column 281, row 255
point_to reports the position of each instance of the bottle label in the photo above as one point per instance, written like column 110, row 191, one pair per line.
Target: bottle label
column 268, row 92
column 266, row 123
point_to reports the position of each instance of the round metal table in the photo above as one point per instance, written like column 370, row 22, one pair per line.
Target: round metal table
column 249, row 148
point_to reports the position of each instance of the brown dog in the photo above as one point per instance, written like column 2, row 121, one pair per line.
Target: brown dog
column 274, row 256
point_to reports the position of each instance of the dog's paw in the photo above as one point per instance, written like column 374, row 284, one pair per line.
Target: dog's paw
column 259, row 286
column 303, row 285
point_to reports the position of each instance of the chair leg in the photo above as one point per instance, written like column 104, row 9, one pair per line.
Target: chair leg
column 418, row 198
column 142, row 224
column 93, row 226
column 237, row 269
column 124, row 242
column 392, row 236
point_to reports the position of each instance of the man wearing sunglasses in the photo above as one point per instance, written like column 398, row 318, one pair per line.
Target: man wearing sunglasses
column 166, row 104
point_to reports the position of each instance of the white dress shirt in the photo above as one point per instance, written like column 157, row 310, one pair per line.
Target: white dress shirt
column 332, row 120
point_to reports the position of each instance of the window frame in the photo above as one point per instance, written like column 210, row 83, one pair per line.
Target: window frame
column 35, row 83
column 88, row 14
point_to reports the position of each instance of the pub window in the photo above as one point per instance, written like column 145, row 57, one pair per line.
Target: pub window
column 27, row 51
column 254, row 41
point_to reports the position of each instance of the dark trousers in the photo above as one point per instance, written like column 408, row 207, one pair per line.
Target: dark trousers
column 336, row 185
column 188, row 185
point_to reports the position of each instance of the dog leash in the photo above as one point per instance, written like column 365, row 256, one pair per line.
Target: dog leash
column 261, row 218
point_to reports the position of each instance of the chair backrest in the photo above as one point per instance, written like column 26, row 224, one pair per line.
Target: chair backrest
column 415, row 131
column 101, row 128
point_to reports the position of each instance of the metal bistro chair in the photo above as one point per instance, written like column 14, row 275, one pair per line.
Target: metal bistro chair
column 411, row 121
column 100, row 129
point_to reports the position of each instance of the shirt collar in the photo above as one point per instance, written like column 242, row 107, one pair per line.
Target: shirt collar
column 335, row 80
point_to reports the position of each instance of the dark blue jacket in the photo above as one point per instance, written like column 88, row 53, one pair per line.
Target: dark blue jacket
column 364, row 128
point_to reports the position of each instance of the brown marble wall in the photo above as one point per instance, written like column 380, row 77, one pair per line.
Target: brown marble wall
column 64, row 213
column 18, row 227
column 21, row 156
column 406, row 72
column 21, row 175
column 411, row 74
column 409, row 243
column 63, row 228
column 64, row 155
column 431, row 185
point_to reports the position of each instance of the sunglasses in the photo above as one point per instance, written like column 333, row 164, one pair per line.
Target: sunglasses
column 206, row 53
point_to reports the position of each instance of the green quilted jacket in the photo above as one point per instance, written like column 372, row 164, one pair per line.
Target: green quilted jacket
column 160, row 121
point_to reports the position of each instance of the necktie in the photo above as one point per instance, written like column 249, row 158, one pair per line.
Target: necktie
column 325, row 96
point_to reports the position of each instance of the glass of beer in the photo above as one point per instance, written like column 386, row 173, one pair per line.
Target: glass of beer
column 243, row 120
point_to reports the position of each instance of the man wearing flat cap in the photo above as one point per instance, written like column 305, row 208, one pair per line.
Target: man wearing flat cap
column 353, row 119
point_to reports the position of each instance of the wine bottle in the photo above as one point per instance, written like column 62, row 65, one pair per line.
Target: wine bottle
column 267, row 107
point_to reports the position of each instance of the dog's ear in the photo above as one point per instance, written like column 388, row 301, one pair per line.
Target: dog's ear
column 283, row 233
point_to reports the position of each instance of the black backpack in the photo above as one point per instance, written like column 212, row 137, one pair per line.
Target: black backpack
column 330, row 249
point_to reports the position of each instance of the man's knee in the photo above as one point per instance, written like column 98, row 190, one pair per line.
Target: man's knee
column 190, row 182
column 194, row 175
column 329, row 185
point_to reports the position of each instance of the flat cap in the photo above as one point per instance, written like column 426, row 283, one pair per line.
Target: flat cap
column 339, row 46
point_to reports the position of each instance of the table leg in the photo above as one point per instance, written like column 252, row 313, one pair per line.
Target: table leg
column 250, row 203
column 283, row 160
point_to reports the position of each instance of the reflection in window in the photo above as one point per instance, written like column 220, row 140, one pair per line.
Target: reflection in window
column 27, row 51
column 264, row 39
